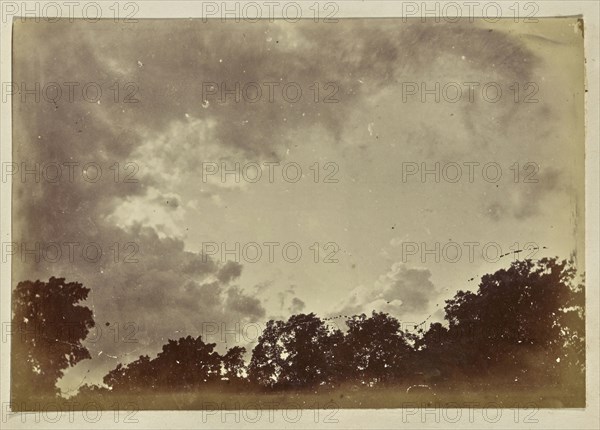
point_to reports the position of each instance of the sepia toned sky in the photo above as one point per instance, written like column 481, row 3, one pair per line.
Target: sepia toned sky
column 370, row 133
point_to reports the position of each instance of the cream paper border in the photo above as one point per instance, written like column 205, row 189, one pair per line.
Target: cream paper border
column 346, row 418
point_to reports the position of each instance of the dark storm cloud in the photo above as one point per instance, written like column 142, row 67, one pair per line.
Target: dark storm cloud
column 230, row 270
column 169, row 62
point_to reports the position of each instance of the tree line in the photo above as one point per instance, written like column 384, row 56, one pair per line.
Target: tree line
column 524, row 325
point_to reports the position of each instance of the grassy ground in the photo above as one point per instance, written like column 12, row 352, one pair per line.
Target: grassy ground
column 338, row 398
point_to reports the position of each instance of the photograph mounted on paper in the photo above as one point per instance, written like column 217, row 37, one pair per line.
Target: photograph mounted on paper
column 355, row 213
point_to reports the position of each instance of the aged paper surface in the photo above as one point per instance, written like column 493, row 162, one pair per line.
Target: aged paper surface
column 288, row 220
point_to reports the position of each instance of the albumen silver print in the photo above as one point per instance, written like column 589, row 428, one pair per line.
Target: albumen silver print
column 308, row 212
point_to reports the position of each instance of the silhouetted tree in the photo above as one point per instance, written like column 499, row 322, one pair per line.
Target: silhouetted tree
column 438, row 353
column 300, row 353
column 87, row 391
column 187, row 363
column 376, row 349
column 48, row 326
column 233, row 363
column 139, row 375
column 181, row 365
column 524, row 323
column 266, row 364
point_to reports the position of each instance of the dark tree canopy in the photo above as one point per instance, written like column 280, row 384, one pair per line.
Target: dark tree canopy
column 48, row 326
column 233, row 363
column 302, row 352
column 524, row 325
column 524, row 322
column 183, row 364
column 376, row 349
column 267, row 360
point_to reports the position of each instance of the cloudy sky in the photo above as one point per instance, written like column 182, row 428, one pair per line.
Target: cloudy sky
column 368, row 216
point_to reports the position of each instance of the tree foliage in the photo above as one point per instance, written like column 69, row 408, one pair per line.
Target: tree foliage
column 48, row 326
column 376, row 350
column 302, row 352
column 524, row 324
column 184, row 364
